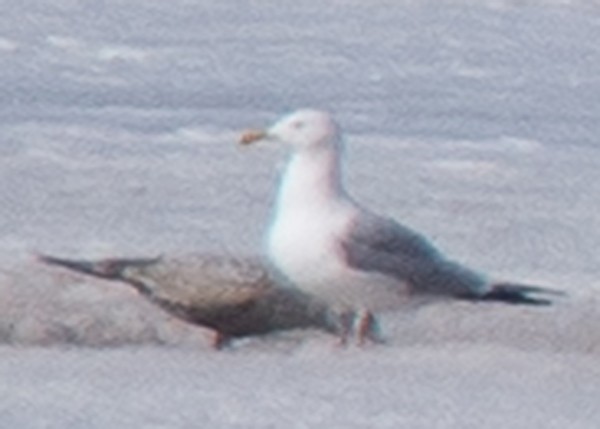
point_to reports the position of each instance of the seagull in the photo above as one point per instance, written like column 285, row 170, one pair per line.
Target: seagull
column 234, row 296
column 322, row 241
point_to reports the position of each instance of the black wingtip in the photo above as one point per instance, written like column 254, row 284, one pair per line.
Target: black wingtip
column 111, row 269
column 520, row 294
column 97, row 269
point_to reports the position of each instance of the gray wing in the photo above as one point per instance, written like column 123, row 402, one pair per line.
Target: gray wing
column 379, row 244
column 201, row 281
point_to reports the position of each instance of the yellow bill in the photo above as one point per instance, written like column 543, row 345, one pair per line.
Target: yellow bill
column 251, row 136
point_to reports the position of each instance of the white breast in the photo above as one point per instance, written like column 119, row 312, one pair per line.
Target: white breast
column 307, row 250
column 310, row 256
column 305, row 241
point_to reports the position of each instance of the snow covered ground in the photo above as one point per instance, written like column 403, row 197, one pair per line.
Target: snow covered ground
column 473, row 122
column 457, row 387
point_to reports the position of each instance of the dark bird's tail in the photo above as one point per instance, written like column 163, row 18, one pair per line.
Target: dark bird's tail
column 513, row 293
column 111, row 269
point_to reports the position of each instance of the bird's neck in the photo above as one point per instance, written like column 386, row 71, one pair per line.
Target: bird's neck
column 312, row 180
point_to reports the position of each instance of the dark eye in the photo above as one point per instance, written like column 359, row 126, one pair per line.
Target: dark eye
column 298, row 125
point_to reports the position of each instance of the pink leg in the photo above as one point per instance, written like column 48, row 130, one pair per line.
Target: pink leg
column 220, row 341
column 367, row 329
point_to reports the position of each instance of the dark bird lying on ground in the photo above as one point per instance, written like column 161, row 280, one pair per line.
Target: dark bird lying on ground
column 233, row 296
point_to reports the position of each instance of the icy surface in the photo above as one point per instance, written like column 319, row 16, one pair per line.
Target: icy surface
column 478, row 387
column 473, row 122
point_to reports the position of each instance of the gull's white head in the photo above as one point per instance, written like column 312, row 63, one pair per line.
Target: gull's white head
column 302, row 129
